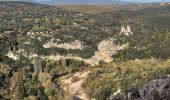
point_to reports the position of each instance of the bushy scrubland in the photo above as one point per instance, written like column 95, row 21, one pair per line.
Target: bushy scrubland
column 104, row 81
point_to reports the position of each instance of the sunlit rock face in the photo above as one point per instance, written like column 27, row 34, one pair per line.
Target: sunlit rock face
column 108, row 45
column 10, row 54
column 73, row 45
column 126, row 30
column 106, row 49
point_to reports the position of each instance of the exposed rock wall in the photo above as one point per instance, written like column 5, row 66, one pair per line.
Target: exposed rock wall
column 158, row 89
column 106, row 49
column 73, row 45
column 10, row 54
column 126, row 30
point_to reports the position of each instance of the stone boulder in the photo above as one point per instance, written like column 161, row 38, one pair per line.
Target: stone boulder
column 158, row 89
column 133, row 93
column 118, row 97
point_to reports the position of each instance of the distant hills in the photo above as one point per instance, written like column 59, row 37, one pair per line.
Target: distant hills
column 86, row 2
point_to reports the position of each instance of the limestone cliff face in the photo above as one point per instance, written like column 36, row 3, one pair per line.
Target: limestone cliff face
column 10, row 54
column 106, row 49
column 108, row 45
column 73, row 45
column 126, row 30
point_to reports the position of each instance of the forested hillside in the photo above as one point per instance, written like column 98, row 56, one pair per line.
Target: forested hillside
column 39, row 44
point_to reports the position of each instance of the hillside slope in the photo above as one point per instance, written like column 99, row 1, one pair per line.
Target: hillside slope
column 78, row 35
column 40, row 44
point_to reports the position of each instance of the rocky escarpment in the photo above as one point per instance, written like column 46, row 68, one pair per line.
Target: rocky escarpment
column 73, row 45
column 126, row 30
column 158, row 89
column 106, row 49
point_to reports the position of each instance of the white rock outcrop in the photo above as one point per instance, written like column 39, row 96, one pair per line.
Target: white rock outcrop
column 126, row 30
column 10, row 54
column 106, row 49
column 72, row 45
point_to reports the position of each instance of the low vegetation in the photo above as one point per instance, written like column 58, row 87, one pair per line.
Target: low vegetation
column 104, row 81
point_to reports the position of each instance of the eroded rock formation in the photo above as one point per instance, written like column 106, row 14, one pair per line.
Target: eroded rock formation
column 106, row 49
column 73, row 45
column 126, row 30
column 158, row 89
